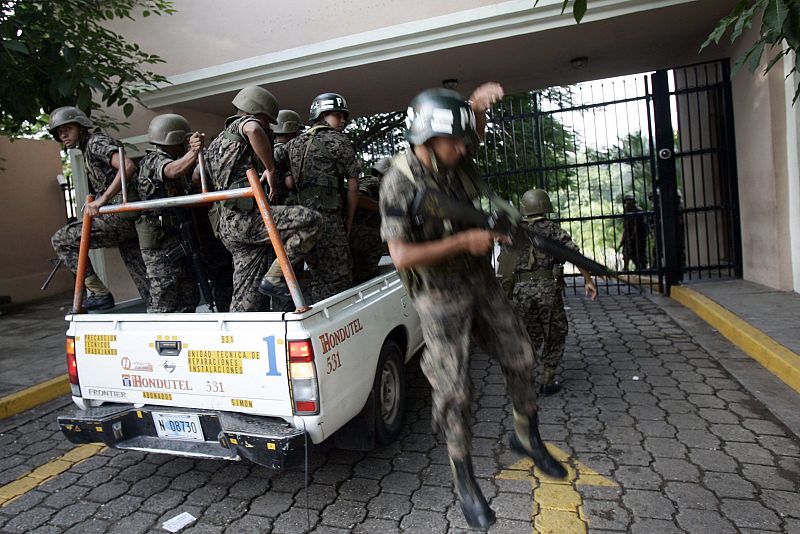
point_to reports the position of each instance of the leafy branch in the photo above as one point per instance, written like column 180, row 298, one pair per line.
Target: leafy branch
column 59, row 52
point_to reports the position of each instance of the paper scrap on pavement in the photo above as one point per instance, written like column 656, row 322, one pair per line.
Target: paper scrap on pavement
column 178, row 522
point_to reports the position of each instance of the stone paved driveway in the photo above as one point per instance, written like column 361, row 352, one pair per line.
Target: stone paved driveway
column 660, row 437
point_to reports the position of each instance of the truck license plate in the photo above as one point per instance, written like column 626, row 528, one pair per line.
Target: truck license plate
column 178, row 426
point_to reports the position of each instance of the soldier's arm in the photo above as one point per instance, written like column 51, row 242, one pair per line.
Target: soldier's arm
column 115, row 187
column 407, row 255
column 180, row 167
column 482, row 99
column 263, row 148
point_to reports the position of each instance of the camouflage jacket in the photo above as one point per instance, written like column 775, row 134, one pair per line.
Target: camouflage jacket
column 397, row 193
column 152, row 183
column 229, row 155
column 320, row 157
column 530, row 258
column 98, row 149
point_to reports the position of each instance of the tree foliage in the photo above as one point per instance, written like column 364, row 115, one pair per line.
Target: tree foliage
column 58, row 52
column 778, row 36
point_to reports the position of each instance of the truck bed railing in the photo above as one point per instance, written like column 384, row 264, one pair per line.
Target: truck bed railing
column 255, row 191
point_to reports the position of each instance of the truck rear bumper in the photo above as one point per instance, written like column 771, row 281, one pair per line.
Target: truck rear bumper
column 227, row 436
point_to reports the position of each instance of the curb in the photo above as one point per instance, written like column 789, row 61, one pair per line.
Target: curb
column 33, row 396
column 781, row 361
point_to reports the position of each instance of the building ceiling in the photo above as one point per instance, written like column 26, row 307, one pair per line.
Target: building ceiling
column 658, row 38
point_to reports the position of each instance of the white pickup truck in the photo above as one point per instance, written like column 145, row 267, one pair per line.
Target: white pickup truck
column 260, row 386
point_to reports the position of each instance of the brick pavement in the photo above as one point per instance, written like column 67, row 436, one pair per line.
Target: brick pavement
column 687, row 449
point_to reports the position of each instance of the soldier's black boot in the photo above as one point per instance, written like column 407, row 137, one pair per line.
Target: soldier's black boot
column 269, row 289
column 526, row 440
column 550, row 384
column 473, row 504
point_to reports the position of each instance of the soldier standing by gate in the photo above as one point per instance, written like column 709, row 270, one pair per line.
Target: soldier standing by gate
column 321, row 160
column 101, row 153
column 447, row 271
column 535, row 280
column 245, row 144
column 165, row 171
column 634, row 234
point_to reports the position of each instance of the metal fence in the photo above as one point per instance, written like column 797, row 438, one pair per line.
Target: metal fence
column 664, row 141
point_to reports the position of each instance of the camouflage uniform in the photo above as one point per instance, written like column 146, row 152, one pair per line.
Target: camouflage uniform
column 321, row 160
column 366, row 245
column 456, row 299
column 110, row 230
column 539, row 293
column 634, row 238
column 173, row 287
column 241, row 227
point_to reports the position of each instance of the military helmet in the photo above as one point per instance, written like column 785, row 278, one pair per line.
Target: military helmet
column 288, row 122
column 327, row 102
column 65, row 115
column 168, row 129
column 536, row 202
column 380, row 167
column 629, row 196
column 254, row 100
column 439, row 113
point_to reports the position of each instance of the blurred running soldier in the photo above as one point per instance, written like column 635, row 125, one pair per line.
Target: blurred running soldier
column 448, row 274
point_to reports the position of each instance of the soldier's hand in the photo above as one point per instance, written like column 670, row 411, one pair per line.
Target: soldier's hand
column 590, row 290
column 480, row 242
column 485, row 95
column 94, row 207
column 196, row 141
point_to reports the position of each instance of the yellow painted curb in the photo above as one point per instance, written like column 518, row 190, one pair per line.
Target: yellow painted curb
column 45, row 472
column 781, row 361
column 33, row 396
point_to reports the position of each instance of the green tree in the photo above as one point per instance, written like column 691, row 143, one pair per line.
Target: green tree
column 58, row 52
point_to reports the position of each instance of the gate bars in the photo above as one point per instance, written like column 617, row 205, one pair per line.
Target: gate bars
column 255, row 191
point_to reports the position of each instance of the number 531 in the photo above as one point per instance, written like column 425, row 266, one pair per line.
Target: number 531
column 333, row 362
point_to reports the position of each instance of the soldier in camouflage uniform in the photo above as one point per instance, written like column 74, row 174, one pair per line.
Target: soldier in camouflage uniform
column 321, row 160
column 288, row 127
column 535, row 280
column 165, row 171
column 366, row 245
column 245, row 144
column 634, row 234
column 101, row 154
column 448, row 274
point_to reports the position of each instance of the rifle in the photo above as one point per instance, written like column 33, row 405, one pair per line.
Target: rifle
column 431, row 203
column 189, row 247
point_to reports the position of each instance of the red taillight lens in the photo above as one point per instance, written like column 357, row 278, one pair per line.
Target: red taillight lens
column 303, row 377
column 72, row 364
column 309, row 407
column 301, row 351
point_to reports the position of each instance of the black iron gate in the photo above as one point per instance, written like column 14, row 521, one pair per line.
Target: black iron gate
column 641, row 170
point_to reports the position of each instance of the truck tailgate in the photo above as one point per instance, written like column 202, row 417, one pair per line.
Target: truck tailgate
column 189, row 360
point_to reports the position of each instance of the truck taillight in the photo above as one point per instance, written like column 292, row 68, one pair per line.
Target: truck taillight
column 304, row 377
column 72, row 367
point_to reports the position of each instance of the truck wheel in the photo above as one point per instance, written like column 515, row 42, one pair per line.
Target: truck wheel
column 389, row 392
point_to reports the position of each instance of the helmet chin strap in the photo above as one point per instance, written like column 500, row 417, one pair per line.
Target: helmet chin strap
column 432, row 156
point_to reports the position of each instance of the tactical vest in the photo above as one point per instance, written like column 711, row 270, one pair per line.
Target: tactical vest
column 325, row 190
column 412, row 278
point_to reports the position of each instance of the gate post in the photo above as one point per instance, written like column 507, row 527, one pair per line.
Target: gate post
column 666, row 179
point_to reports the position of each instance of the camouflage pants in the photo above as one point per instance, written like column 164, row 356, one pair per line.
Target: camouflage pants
column 245, row 236
column 449, row 320
column 540, row 303
column 107, row 231
column 367, row 248
column 173, row 287
column 330, row 262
